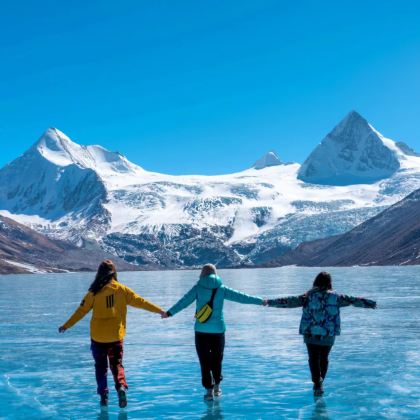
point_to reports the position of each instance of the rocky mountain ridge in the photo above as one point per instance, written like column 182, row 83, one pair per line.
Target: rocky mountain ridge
column 23, row 250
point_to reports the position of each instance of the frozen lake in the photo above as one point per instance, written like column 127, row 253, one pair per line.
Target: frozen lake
column 374, row 365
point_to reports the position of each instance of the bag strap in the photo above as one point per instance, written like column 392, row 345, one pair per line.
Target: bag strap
column 213, row 294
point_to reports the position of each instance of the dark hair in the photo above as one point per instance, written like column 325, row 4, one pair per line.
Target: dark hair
column 106, row 272
column 323, row 281
column 207, row 270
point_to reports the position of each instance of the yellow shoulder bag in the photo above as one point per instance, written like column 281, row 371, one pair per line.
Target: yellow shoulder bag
column 205, row 312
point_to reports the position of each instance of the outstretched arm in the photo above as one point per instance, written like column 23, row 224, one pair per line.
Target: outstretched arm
column 185, row 301
column 287, row 302
column 359, row 302
column 133, row 299
column 235, row 296
column 84, row 307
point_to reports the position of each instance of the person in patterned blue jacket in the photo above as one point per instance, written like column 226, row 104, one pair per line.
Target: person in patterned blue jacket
column 210, row 335
column 320, row 322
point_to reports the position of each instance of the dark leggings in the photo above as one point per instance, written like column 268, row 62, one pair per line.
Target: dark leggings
column 318, row 361
column 210, row 353
column 102, row 352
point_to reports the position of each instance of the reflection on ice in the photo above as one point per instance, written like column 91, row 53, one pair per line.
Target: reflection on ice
column 104, row 415
column 213, row 411
column 319, row 409
column 374, row 365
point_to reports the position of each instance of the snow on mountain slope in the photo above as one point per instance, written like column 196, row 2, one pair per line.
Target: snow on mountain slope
column 248, row 217
column 269, row 159
column 353, row 152
column 390, row 238
column 58, row 149
column 55, row 182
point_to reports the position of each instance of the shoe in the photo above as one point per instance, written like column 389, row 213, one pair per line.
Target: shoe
column 208, row 396
column 319, row 389
column 122, row 397
column 104, row 400
column 217, row 391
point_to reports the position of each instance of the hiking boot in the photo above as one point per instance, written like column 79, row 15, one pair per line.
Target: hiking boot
column 208, row 396
column 217, row 391
column 104, row 400
column 122, row 397
column 318, row 389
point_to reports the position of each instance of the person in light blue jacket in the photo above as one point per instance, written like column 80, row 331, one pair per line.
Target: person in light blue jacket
column 210, row 334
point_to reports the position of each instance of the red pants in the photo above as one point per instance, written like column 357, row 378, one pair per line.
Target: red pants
column 102, row 352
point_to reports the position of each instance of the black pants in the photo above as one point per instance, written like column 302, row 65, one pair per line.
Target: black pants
column 318, row 361
column 210, row 353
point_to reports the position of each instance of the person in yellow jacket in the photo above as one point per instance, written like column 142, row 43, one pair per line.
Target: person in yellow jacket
column 109, row 299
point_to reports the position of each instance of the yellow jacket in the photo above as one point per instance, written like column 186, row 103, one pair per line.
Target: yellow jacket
column 109, row 305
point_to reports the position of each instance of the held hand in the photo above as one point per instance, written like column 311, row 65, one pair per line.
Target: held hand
column 62, row 329
column 371, row 304
column 265, row 302
column 164, row 315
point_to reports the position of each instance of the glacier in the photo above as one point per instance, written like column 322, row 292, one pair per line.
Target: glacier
column 87, row 193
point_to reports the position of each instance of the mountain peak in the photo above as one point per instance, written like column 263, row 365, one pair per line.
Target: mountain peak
column 353, row 152
column 54, row 138
column 354, row 116
column 352, row 122
column 56, row 147
column 60, row 150
column 269, row 159
column 406, row 149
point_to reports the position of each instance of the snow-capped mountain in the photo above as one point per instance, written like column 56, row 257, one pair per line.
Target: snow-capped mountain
column 352, row 153
column 73, row 192
column 57, row 148
column 54, row 181
column 269, row 159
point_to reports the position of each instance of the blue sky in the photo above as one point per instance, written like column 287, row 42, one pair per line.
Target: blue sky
column 206, row 86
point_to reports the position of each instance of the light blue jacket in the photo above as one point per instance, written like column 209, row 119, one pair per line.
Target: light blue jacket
column 201, row 293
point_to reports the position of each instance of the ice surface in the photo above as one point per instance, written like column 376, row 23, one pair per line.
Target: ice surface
column 374, row 366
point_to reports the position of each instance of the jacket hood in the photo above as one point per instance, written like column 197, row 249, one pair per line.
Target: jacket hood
column 210, row 282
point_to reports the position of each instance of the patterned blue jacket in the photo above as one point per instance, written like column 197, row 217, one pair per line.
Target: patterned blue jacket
column 320, row 310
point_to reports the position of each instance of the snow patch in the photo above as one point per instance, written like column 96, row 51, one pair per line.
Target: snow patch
column 28, row 267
